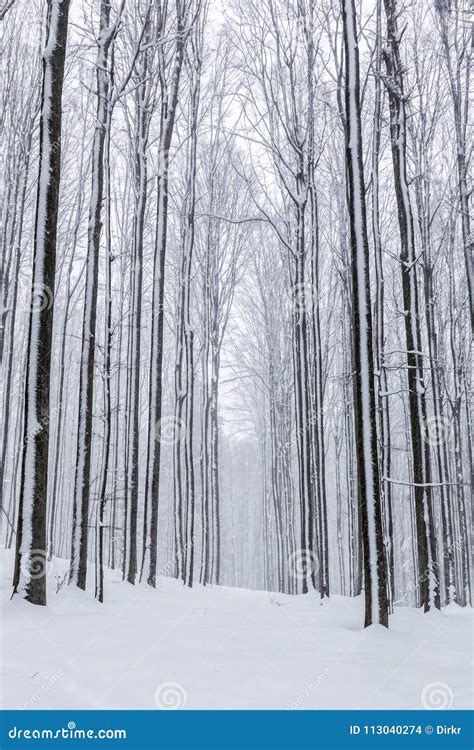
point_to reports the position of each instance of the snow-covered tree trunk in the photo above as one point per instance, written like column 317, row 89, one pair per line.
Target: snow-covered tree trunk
column 381, row 370
column 82, row 486
column 421, row 127
column 183, row 454
column 169, row 101
column 460, row 102
column 375, row 567
column 11, row 311
column 213, row 326
column 427, row 557
column 143, row 101
column 107, row 397
column 317, row 407
column 12, row 502
column 29, row 577
column 57, row 453
column 302, row 391
column 460, row 527
column 60, row 399
column 351, row 488
column 117, row 437
column 204, row 459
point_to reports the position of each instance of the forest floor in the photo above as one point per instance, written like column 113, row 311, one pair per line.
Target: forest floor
column 222, row 648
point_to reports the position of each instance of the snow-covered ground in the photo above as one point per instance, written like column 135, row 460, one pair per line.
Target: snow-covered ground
column 225, row 648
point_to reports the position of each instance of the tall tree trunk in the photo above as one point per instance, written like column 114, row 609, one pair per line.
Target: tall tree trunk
column 421, row 129
column 461, row 120
column 142, row 124
column 303, row 398
column 317, row 407
column 184, row 371
column 376, row 603
column 6, row 405
column 102, row 494
column 60, row 411
column 168, row 115
column 82, row 488
column 427, row 557
column 29, row 576
column 381, row 371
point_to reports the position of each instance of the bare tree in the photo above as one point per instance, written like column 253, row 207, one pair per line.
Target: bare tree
column 29, row 577
column 82, row 488
column 427, row 559
column 183, row 454
column 375, row 566
column 170, row 65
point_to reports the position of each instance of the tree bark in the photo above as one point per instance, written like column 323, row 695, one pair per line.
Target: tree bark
column 169, row 93
column 376, row 603
column 427, row 558
column 29, row 576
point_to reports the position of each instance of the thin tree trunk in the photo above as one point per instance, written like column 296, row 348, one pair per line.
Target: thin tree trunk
column 461, row 120
column 184, row 371
column 427, row 558
column 82, row 479
column 142, row 117
column 168, row 114
column 376, row 604
column 383, row 403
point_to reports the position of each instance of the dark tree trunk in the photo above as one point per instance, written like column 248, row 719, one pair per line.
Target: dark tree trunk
column 30, row 562
column 168, row 114
column 184, row 484
column 375, row 568
column 82, row 487
column 142, row 124
column 427, row 558
column 383, row 404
